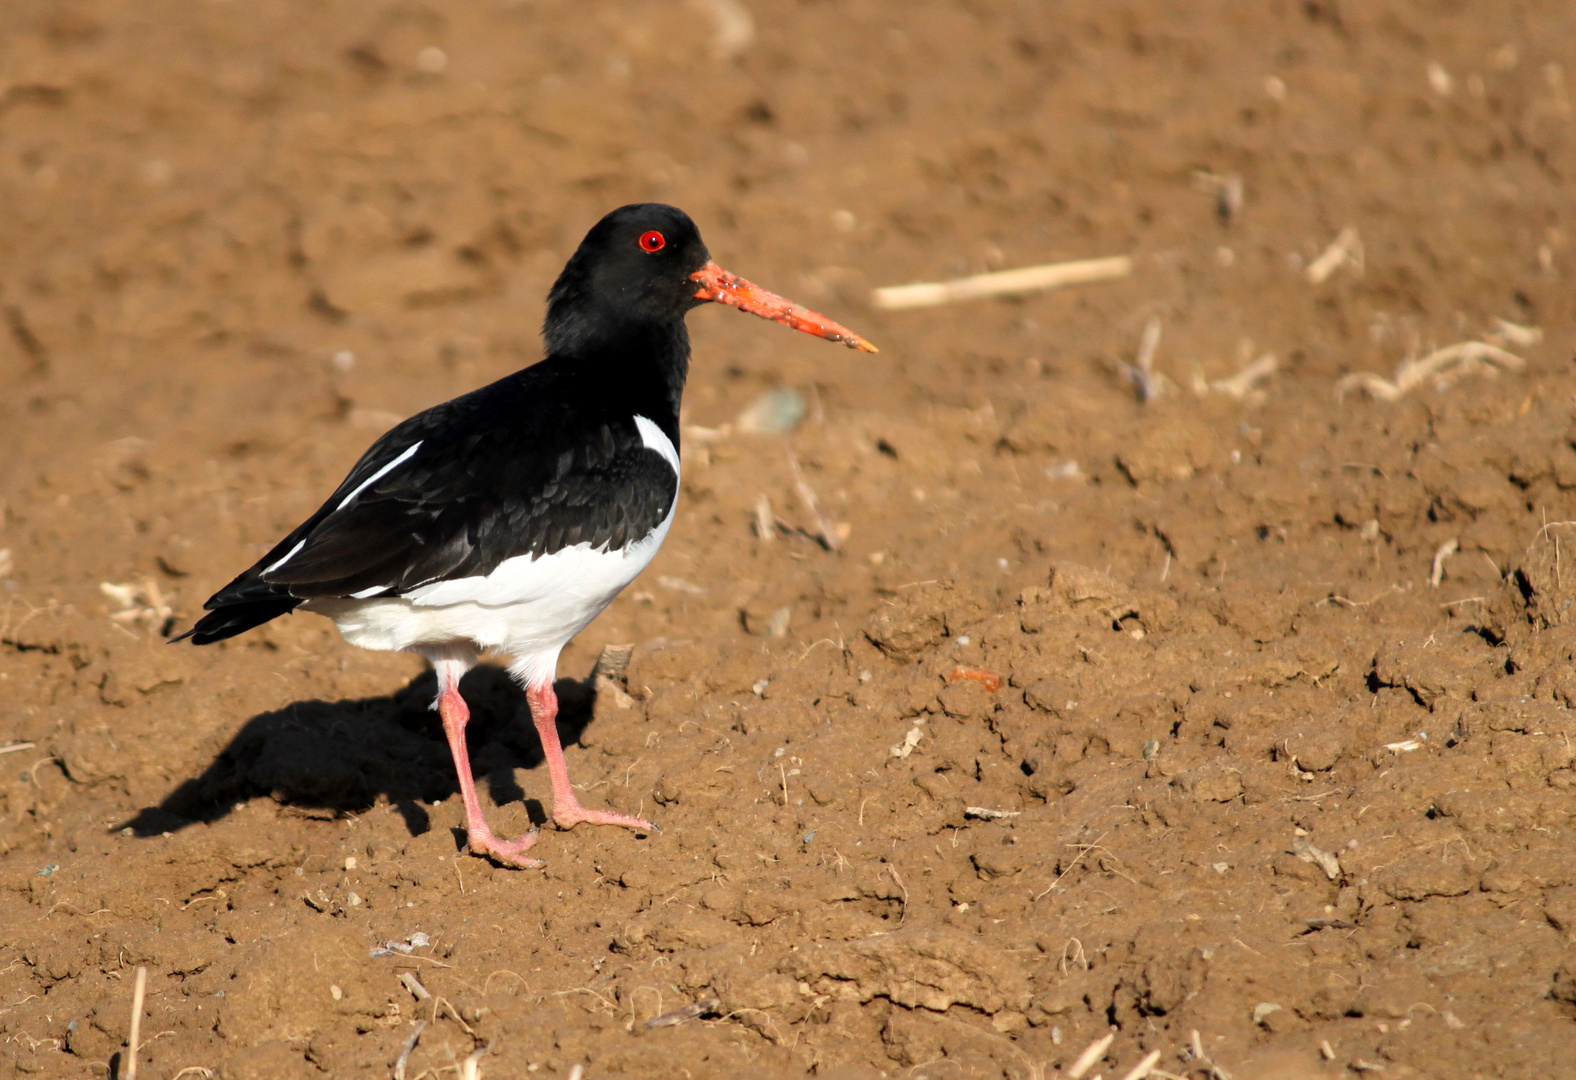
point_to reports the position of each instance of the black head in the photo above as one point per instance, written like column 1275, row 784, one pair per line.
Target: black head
column 633, row 268
column 636, row 274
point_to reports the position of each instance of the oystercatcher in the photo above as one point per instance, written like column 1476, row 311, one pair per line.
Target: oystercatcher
column 509, row 518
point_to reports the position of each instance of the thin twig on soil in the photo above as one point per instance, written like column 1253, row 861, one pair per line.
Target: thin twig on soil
column 1087, row 848
column 11, row 748
column 1002, row 283
column 138, row 992
column 1092, row 1053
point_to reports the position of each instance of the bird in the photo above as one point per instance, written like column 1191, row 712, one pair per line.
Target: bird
column 507, row 519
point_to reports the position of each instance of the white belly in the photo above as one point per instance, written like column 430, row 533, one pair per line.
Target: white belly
column 527, row 607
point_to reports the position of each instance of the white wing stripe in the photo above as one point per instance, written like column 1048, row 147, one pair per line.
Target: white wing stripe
column 656, row 439
column 380, row 474
column 288, row 556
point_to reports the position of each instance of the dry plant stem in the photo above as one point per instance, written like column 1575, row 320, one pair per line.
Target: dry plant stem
column 1002, row 283
column 1143, row 1068
column 1141, row 372
column 139, row 990
column 11, row 748
column 765, row 522
column 1092, row 1053
column 1346, row 248
column 409, row 982
column 1247, row 380
column 409, row 1047
column 1468, row 357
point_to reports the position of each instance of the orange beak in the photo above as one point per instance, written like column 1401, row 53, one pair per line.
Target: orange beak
column 718, row 285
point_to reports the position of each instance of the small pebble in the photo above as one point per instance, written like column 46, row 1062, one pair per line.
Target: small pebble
column 776, row 412
column 432, row 60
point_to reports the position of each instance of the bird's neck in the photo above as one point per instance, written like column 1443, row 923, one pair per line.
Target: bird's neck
column 644, row 359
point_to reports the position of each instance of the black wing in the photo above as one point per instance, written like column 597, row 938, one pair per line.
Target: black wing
column 531, row 464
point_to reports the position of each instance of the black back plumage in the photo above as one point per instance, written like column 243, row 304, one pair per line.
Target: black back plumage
column 539, row 461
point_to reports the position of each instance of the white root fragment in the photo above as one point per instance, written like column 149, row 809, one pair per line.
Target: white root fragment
column 1345, row 250
column 1444, row 365
column 1002, row 283
column 1246, row 381
column 1508, row 333
column 1444, row 551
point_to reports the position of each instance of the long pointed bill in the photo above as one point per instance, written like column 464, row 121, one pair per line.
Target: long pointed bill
column 725, row 288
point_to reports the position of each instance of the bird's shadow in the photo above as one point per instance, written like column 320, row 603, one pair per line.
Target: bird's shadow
column 342, row 756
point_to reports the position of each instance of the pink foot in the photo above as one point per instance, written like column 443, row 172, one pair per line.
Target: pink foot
column 511, row 853
column 574, row 814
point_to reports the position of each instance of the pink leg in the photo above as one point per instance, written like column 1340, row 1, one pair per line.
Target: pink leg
column 567, row 811
column 479, row 838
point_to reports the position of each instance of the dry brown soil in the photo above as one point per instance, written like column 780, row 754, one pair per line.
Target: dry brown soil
column 1251, row 773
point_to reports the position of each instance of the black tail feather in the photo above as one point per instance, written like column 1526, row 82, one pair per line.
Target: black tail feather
column 233, row 619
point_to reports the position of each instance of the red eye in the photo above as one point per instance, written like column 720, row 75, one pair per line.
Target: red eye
column 653, row 241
